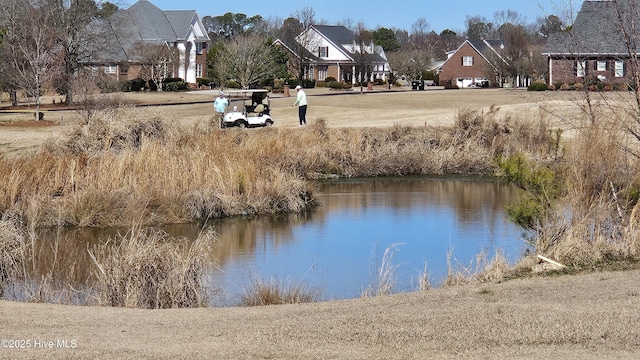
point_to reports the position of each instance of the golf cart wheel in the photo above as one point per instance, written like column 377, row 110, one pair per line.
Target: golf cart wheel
column 269, row 123
column 242, row 124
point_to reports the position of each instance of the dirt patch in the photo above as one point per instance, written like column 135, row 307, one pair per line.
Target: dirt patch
column 28, row 124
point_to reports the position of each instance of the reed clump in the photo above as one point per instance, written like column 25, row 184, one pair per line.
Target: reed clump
column 146, row 268
column 132, row 164
column 588, row 218
column 261, row 292
column 482, row 270
column 14, row 255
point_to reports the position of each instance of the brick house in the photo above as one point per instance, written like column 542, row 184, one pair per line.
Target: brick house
column 472, row 64
column 331, row 51
column 594, row 48
column 181, row 32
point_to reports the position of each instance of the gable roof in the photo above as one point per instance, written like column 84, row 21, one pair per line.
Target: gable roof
column 339, row 37
column 151, row 22
column 485, row 48
column 596, row 31
column 144, row 22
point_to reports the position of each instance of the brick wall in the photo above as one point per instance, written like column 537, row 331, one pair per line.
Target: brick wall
column 564, row 71
column 453, row 68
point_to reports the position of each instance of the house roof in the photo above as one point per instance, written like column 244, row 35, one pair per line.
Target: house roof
column 151, row 22
column 143, row 22
column 485, row 48
column 596, row 31
column 340, row 37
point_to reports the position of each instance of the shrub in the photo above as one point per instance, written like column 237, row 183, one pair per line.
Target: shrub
column 174, row 84
column 335, row 85
column 537, row 86
column 153, row 86
column 107, row 86
column 621, row 86
column 564, row 86
column 203, row 81
column 278, row 84
column 231, row 84
column 137, row 84
column 321, row 84
column 308, row 83
column 269, row 82
column 292, row 83
column 329, row 79
column 379, row 82
column 541, row 184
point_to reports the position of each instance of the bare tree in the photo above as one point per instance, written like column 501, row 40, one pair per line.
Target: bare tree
column 293, row 34
column 419, row 31
column 71, row 23
column 363, row 50
column 156, row 61
column 28, row 47
column 246, row 59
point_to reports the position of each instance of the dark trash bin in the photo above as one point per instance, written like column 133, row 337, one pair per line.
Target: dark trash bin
column 417, row 84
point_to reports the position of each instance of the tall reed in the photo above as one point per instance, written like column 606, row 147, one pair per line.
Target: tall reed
column 132, row 164
column 258, row 291
column 146, row 268
column 383, row 274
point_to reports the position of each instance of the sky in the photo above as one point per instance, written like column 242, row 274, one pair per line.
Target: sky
column 399, row 14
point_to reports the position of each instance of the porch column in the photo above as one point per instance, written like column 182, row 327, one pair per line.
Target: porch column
column 353, row 73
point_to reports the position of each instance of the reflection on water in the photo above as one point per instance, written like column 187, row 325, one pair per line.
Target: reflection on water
column 335, row 246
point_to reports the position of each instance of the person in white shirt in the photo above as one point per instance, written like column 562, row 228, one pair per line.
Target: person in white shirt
column 301, row 101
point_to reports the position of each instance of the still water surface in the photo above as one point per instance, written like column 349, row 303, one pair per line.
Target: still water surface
column 336, row 246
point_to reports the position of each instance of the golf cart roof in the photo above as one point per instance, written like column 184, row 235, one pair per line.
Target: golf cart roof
column 247, row 91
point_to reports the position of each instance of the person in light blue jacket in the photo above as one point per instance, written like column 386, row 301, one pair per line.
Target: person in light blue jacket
column 220, row 104
column 301, row 101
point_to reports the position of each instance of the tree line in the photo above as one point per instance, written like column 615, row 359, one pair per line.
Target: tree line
column 44, row 43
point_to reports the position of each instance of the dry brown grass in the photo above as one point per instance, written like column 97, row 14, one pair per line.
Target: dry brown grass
column 260, row 292
column 148, row 269
column 133, row 164
column 484, row 269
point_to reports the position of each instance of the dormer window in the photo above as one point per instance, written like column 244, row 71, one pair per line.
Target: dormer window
column 323, row 51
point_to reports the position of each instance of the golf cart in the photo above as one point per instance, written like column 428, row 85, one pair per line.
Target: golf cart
column 254, row 111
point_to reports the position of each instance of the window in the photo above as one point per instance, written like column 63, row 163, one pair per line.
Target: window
column 124, row 70
column 467, row 61
column 323, row 51
column 619, row 68
column 198, row 70
column 322, row 73
column 110, row 69
column 581, row 68
column 199, row 48
column 310, row 74
column 601, row 65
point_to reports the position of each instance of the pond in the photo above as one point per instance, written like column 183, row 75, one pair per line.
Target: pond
column 336, row 248
column 339, row 246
